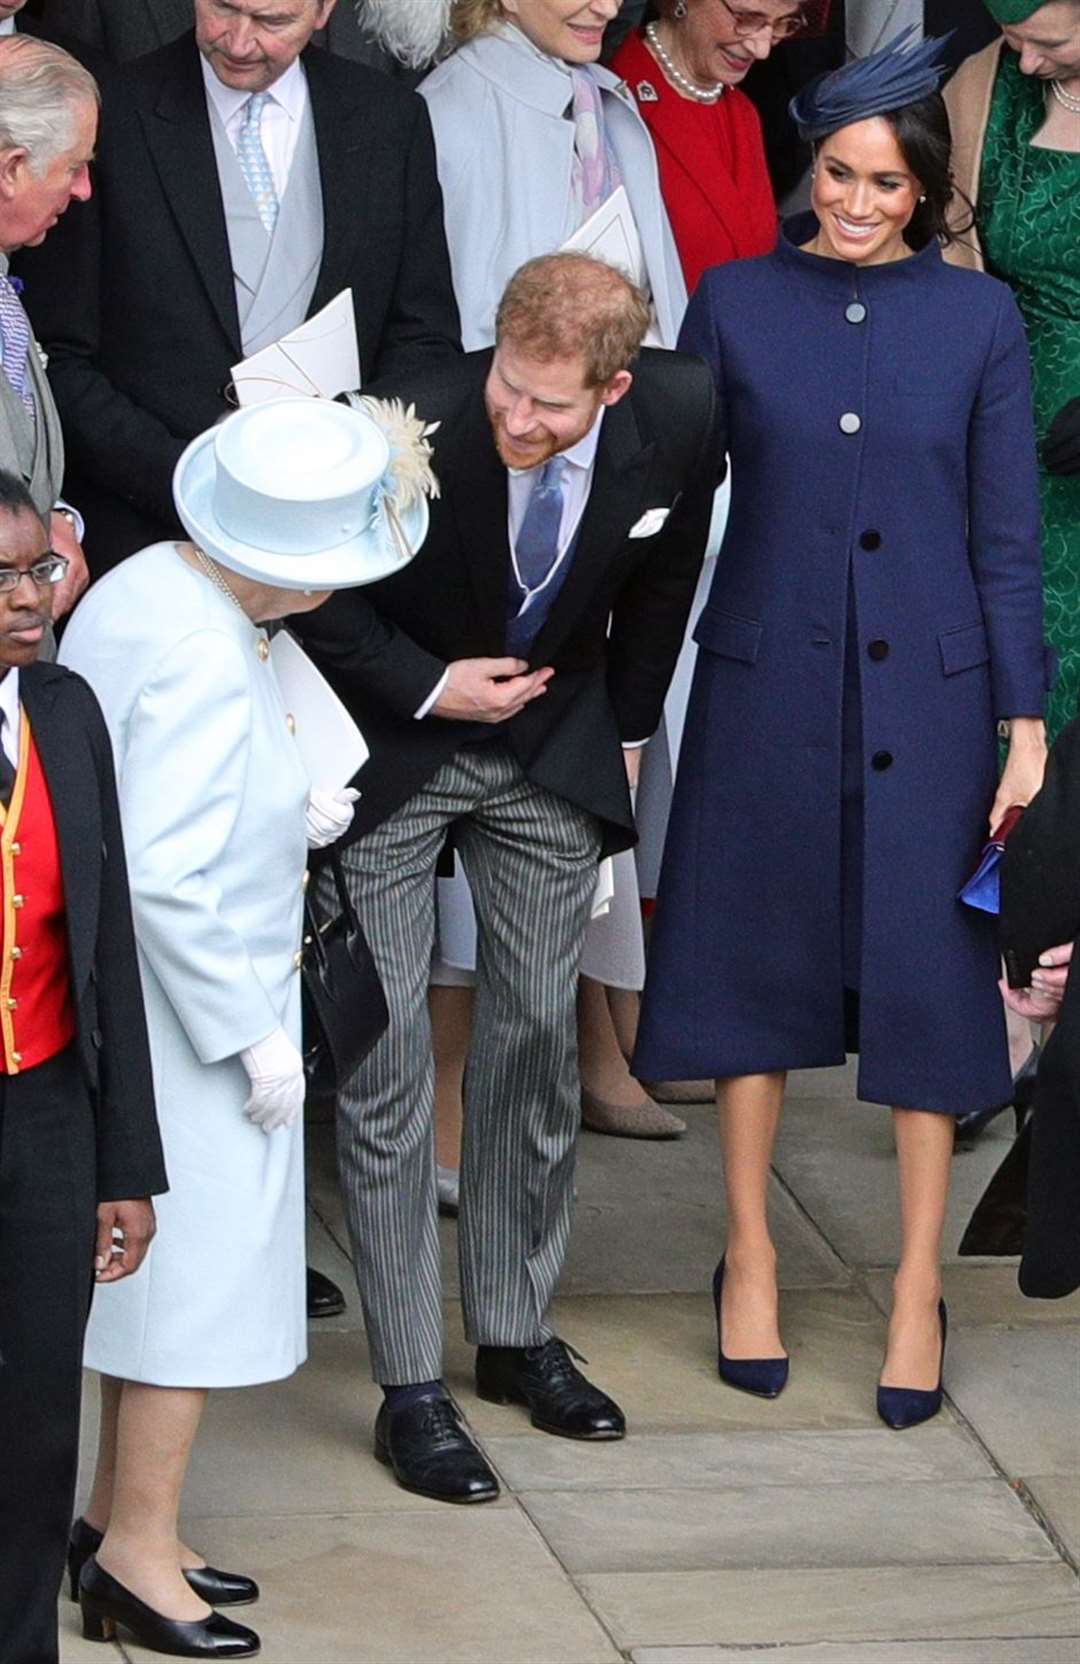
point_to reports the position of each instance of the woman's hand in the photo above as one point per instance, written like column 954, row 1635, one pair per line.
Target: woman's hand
column 329, row 814
column 1022, row 776
column 276, row 1072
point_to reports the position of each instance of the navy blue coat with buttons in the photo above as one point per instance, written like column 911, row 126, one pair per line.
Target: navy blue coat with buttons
column 879, row 429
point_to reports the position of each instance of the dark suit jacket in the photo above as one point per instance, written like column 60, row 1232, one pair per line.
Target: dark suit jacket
column 133, row 293
column 76, row 758
column 125, row 29
column 1040, row 907
column 385, row 647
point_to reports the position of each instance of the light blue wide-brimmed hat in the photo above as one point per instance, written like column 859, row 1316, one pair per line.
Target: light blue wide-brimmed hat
column 308, row 493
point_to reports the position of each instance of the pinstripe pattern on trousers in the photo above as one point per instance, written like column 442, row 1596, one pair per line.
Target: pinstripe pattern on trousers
column 531, row 861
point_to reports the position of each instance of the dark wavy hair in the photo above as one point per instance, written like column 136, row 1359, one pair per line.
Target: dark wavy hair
column 924, row 136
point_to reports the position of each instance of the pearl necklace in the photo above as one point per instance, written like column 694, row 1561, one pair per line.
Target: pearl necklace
column 1068, row 99
column 214, row 574
column 703, row 95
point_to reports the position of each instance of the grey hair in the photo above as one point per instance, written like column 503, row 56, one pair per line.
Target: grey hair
column 415, row 32
column 41, row 91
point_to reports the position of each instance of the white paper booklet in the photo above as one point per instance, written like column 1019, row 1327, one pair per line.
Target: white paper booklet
column 331, row 746
column 320, row 359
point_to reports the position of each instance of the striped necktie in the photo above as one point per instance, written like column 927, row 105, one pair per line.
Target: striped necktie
column 254, row 165
column 15, row 341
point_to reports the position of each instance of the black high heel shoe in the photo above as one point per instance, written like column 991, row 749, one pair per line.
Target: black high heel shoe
column 216, row 1588
column 106, row 1606
column 968, row 1127
column 764, row 1377
column 901, row 1407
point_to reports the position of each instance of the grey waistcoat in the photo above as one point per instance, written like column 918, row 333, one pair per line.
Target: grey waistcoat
column 274, row 276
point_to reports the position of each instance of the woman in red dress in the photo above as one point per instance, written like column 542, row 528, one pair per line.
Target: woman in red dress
column 684, row 72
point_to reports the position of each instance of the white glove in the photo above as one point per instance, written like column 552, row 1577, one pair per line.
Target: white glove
column 276, row 1072
column 329, row 814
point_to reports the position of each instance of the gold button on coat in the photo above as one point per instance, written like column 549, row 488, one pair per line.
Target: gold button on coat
column 262, row 647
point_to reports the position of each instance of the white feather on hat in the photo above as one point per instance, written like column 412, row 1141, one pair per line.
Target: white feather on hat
column 415, row 32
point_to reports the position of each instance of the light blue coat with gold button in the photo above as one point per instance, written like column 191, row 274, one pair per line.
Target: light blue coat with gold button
column 212, row 799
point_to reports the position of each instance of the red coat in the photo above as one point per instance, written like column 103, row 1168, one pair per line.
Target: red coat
column 713, row 175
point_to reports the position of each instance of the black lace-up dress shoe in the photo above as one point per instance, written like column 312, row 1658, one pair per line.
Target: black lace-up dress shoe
column 545, row 1379
column 431, row 1453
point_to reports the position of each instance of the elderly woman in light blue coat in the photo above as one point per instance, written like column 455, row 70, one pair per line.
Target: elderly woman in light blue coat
column 218, row 814
column 532, row 135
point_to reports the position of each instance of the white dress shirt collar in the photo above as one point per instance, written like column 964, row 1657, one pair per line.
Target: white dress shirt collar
column 289, row 91
column 9, row 706
column 581, row 455
column 7, row 27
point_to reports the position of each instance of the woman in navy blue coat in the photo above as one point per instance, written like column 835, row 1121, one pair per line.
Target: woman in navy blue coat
column 876, row 611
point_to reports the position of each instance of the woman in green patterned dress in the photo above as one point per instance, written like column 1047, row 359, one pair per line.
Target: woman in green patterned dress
column 1015, row 112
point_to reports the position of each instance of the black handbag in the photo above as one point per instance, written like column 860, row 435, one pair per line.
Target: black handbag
column 344, row 1008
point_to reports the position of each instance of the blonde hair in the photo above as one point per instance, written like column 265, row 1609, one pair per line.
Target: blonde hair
column 565, row 306
column 469, row 18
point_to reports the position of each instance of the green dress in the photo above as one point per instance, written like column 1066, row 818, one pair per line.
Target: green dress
column 1029, row 221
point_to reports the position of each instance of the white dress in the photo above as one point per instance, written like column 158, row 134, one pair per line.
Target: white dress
column 212, row 798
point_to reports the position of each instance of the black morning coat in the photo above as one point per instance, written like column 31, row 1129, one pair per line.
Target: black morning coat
column 76, row 758
column 385, row 647
column 133, row 298
column 1040, row 908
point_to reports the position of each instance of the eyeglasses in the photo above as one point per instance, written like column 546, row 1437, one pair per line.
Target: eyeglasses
column 48, row 569
column 752, row 23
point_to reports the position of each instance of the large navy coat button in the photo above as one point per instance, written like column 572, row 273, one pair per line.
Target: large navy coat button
column 855, row 313
column 849, row 422
column 870, row 540
column 878, row 649
column 881, row 760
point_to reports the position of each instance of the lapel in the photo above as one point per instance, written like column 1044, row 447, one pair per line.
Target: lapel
column 622, row 466
column 178, row 135
column 346, row 141
column 68, row 769
column 480, row 507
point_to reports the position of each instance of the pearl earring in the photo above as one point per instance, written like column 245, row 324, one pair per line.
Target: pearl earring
column 922, row 199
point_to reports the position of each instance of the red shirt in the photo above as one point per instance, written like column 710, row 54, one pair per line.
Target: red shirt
column 713, row 175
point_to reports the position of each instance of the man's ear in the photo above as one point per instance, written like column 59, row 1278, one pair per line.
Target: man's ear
column 620, row 383
column 14, row 164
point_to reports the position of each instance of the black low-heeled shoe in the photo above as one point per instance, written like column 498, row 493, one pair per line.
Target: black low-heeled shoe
column 763, row 1377
column 901, row 1407
column 215, row 1587
column 107, row 1606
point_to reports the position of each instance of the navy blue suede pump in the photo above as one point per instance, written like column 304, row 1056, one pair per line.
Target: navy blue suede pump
column 901, row 1407
column 764, row 1377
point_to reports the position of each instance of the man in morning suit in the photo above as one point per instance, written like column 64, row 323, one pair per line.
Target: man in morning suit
column 79, row 1147
column 242, row 182
column 42, row 91
column 125, row 29
column 576, row 494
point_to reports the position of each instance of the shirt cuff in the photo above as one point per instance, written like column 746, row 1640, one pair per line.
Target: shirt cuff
column 634, row 745
column 78, row 523
column 433, row 697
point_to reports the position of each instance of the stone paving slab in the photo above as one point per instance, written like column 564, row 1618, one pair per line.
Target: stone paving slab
column 656, row 1354
column 708, row 1461
column 73, row 1649
column 1020, row 1389
column 784, row 1526
column 1057, row 1498
column 874, row 1652
column 985, row 1292
column 755, row 1608
column 839, row 1159
column 461, row 1586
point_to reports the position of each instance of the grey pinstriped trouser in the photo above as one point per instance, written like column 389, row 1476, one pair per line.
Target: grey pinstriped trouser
column 531, row 861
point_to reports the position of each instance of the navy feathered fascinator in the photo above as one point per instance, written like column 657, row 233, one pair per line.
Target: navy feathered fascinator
column 901, row 73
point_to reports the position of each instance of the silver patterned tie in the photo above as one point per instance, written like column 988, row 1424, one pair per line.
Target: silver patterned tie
column 253, row 161
column 15, row 339
column 871, row 24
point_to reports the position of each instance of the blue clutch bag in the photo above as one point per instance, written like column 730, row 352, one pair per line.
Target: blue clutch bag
column 983, row 888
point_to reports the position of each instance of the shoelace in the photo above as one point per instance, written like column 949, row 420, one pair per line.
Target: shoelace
column 554, row 1361
column 441, row 1419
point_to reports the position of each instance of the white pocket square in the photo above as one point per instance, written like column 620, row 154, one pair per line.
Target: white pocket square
column 650, row 522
